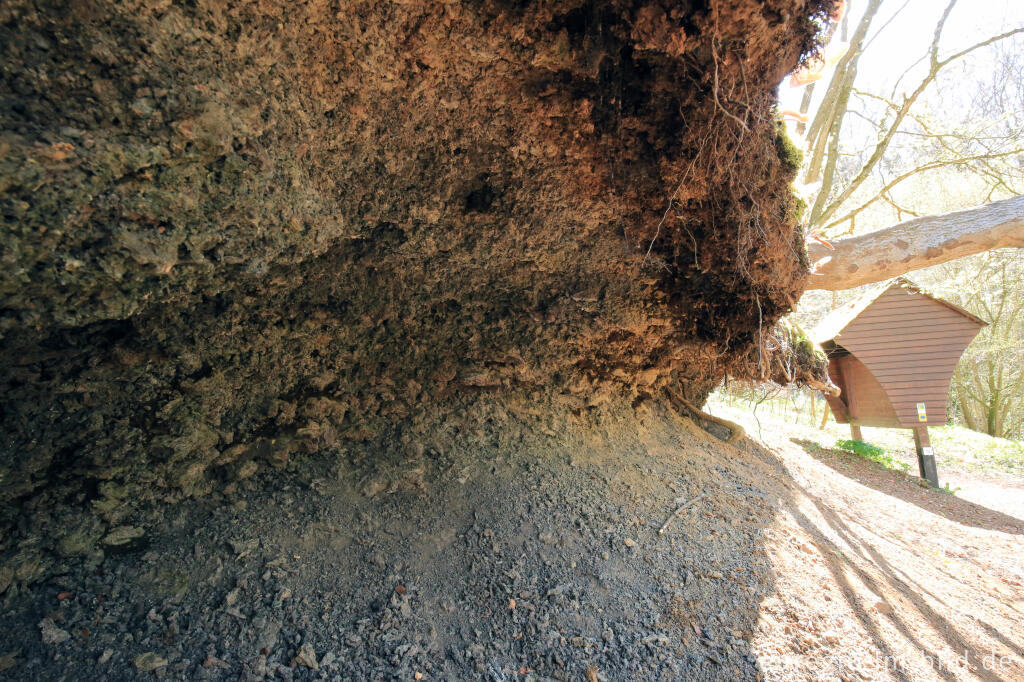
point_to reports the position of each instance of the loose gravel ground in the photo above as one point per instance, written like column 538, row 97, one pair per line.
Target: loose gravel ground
column 530, row 553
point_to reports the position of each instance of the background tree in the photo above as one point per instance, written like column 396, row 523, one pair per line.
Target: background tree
column 988, row 386
column 952, row 114
column 946, row 134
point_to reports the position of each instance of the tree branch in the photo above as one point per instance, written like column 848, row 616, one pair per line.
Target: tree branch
column 826, row 212
column 825, row 121
column 942, row 163
column 916, row 244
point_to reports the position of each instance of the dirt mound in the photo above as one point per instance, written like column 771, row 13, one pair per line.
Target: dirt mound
column 499, row 549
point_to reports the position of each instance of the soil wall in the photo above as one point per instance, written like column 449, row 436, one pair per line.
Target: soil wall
column 237, row 232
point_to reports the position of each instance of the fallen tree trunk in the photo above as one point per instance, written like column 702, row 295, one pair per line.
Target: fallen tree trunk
column 916, row 244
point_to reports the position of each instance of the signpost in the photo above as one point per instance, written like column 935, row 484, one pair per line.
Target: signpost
column 925, row 455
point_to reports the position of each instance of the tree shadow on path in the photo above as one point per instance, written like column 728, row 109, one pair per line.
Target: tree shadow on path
column 910, row 489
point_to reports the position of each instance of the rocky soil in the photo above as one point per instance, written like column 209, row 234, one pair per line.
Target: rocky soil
column 334, row 336
column 504, row 549
column 486, row 553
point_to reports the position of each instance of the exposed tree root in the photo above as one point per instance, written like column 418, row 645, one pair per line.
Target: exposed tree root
column 249, row 232
column 735, row 430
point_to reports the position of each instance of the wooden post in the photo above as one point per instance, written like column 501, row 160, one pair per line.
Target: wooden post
column 851, row 402
column 925, row 456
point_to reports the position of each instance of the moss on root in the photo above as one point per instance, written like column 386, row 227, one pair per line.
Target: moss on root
column 790, row 155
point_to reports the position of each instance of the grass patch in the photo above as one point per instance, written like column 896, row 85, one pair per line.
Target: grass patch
column 874, row 453
column 949, row 491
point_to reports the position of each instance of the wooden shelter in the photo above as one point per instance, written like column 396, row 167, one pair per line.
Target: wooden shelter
column 892, row 353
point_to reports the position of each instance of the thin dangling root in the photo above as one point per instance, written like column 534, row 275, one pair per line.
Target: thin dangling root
column 736, row 431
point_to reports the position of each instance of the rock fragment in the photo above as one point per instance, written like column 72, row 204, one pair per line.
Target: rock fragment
column 52, row 634
column 149, row 661
column 123, row 535
column 307, row 657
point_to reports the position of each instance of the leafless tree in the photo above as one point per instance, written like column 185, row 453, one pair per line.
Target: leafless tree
column 988, row 142
column 988, row 386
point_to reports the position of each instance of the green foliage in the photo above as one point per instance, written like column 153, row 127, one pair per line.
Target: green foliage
column 799, row 339
column 859, row 447
column 804, row 358
column 973, row 451
column 946, row 489
column 871, row 452
column 799, row 211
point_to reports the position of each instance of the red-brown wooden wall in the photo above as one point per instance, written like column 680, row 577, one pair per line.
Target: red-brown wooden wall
column 873, row 407
column 910, row 344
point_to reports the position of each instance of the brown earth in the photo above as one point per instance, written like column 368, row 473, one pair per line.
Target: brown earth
column 240, row 233
column 520, row 545
column 386, row 293
column 897, row 580
column 988, row 502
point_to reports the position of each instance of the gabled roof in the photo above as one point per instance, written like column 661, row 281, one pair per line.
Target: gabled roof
column 836, row 321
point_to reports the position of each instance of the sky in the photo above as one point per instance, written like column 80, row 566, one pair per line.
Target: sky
column 901, row 33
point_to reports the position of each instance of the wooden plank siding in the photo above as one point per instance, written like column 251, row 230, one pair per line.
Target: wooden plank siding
column 907, row 345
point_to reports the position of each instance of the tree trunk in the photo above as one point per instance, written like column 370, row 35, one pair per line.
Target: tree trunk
column 828, row 121
column 968, row 407
column 916, row 244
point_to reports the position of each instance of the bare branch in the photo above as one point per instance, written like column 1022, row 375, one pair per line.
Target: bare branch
column 941, row 163
column 916, row 244
column 983, row 43
column 903, row 111
column 828, row 120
